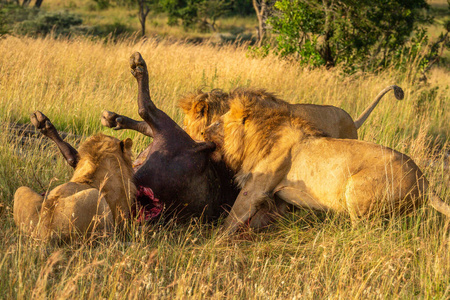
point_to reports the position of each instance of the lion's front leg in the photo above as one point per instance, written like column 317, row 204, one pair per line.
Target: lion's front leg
column 27, row 207
column 248, row 202
column 268, row 213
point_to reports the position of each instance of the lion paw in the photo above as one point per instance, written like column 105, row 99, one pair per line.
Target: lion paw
column 137, row 64
column 43, row 124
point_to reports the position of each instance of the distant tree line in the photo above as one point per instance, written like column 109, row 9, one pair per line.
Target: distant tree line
column 26, row 3
column 356, row 34
column 187, row 13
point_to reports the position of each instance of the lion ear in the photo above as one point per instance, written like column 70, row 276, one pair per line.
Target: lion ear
column 239, row 113
column 126, row 144
column 201, row 109
column 185, row 104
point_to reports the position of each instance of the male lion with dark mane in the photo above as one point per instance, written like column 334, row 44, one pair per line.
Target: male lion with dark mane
column 98, row 196
column 204, row 108
column 279, row 156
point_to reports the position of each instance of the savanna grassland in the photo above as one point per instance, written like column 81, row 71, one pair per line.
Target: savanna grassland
column 305, row 255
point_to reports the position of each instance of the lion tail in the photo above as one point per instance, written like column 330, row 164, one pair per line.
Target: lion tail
column 436, row 202
column 398, row 92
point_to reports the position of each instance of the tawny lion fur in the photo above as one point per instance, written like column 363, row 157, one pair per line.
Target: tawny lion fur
column 202, row 109
column 278, row 156
column 98, row 196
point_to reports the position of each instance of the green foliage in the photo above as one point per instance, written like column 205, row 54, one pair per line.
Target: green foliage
column 241, row 7
column 255, row 51
column 102, row 4
column 180, row 9
column 59, row 23
column 209, row 11
column 3, row 24
column 358, row 34
column 195, row 12
column 11, row 13
column 110, row 30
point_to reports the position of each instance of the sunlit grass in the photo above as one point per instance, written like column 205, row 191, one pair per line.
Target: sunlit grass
column 302, row 256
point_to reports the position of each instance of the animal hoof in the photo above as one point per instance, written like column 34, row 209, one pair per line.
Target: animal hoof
column 111, row 120
column 137, row 64
column 42, row 123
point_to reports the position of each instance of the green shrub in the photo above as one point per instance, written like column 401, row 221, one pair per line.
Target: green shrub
column 362, row 34
column 117, row 28
column 59, row 23
column 102, row 4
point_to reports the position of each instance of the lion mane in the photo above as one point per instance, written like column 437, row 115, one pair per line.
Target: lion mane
column 204, row 108
column 245, row 145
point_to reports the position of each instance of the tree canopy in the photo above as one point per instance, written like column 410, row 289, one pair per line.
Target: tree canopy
column 350, row 32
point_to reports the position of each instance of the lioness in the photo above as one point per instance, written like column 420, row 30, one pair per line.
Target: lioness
column 277, row 155
column 202, row 109
column 98, row 195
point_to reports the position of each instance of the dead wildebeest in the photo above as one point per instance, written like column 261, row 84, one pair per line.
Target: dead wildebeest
column 178, row 169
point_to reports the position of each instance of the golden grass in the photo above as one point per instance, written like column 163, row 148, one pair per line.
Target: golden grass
column 303, row 256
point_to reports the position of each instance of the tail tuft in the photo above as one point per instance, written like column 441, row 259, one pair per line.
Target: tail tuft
column 398, row 92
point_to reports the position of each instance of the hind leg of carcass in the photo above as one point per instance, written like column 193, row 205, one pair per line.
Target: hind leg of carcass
column 119, row 122
column 43, row 124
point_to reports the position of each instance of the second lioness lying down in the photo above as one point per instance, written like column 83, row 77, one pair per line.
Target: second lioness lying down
column 277, row 155
column 98, row 197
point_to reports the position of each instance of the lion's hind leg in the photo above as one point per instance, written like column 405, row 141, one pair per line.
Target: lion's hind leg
column 82, row 213
column 27, row 206
column 367, row 195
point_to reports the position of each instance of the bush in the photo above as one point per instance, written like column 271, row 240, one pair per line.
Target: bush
column 115, row 29
column 59, row 23
column 11, row 14
column 358, row 34
column 3, row 24
column 102, row 4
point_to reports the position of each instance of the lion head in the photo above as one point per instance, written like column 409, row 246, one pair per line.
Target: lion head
column 204, row 108
column 106, row 163
column 251, row 129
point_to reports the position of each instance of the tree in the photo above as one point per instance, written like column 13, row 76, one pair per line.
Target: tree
column 209, row 11
column 144, row 8
column 26, row 3
column 262, row 8
column 143, row 13
column 352, row 32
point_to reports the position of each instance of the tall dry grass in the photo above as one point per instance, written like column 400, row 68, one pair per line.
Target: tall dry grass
column 305, row 255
